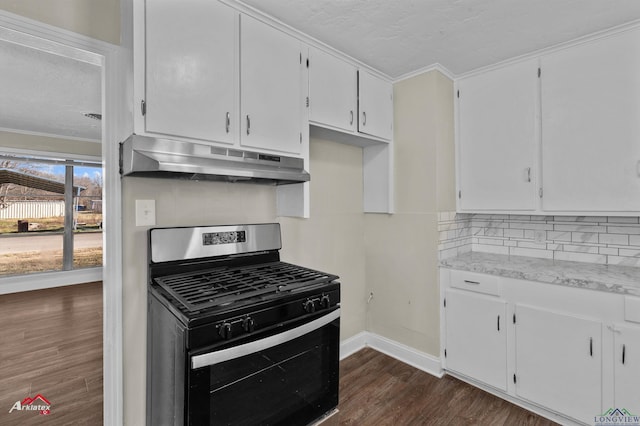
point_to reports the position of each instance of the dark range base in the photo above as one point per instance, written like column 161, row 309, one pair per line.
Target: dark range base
column 238, row 338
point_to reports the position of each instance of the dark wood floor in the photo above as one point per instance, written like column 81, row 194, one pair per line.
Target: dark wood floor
column 51, row 343
column 376, row 389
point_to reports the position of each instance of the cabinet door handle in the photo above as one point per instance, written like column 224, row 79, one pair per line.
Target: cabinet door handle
column 590, row 346
column 248, row 124
column 498, row 322
column 364, row 118
column 351, row 120
column 227, row 122
column 624, row 350
column 528, row 174
column 472, row 282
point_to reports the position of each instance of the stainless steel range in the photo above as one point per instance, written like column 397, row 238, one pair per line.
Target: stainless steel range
column 235, row 336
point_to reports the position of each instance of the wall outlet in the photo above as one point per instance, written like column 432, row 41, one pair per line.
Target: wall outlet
column 145, row 212
column 540, row 236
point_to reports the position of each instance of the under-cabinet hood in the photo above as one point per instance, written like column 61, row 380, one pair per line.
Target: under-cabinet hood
column 164, row 158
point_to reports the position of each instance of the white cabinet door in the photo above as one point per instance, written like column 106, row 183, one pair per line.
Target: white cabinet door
column 497, row 139
column 191, row 71
column 476, row 337
column 627, row 368
column 375, row 106
column 333, row 89
column 590, row 126
column 271, row 87
column 559, row 362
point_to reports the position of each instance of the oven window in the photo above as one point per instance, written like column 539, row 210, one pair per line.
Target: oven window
column 292, row 383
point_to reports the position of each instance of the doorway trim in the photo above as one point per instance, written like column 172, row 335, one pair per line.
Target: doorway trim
column 114, row 107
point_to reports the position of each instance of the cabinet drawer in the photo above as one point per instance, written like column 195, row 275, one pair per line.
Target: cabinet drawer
column 472, row 281
column 632, row 309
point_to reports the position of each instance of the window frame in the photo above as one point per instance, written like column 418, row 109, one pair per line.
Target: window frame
column 51, row 279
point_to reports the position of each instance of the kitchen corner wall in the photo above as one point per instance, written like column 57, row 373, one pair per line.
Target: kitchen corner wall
column 332, row 239
column 401, row 249
column 393, row 256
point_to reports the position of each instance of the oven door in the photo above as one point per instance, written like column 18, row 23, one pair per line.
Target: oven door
column 288, row 376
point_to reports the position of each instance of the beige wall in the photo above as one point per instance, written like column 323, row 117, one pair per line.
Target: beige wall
column 98, row 19
column 49, row 144
column 177, row 203
column 332, row 240
column 401, row 249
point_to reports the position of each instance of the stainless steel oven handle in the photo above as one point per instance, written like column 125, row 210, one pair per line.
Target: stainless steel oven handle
column 216, row 357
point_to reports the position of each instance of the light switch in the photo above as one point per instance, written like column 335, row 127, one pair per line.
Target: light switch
column 145, row 212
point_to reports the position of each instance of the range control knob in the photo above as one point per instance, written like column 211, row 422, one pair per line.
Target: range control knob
column 225, row 331
column 325, row 301
column 248, row 325
column 309, row 306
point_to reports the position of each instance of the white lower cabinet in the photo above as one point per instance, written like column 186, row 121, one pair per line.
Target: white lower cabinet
column 627, row 368
column 476, row 337
column 559, row 361
column 570, row 354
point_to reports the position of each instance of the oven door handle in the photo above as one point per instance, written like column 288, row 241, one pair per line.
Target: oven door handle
column 211, row 358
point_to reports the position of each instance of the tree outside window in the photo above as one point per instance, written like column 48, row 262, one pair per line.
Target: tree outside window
column 50, row 215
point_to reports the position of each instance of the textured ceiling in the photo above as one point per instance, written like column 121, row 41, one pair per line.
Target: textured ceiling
column 399, row 37
column 45, row 93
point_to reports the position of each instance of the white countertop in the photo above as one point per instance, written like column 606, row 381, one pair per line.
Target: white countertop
column 610, row 278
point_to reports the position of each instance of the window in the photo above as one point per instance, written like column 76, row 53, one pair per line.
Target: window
column 50, row 215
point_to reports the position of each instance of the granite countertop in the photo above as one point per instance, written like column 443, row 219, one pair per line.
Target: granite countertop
column 610, row 278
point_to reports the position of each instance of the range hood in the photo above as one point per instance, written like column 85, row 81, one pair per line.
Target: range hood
column 164, row 158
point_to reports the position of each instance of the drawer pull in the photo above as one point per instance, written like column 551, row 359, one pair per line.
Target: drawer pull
column 472, row 282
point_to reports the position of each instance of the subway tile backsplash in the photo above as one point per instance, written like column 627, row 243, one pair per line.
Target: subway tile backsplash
column 593, row 239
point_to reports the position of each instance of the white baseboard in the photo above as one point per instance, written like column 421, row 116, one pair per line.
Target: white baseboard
column 420, row 360
column 353, row 344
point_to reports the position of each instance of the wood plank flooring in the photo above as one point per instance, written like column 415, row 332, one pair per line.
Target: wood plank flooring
column 376, row 389
column 51, row 344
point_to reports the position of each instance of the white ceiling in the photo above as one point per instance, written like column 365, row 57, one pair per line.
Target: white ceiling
column 399, row 37
column 47, row 93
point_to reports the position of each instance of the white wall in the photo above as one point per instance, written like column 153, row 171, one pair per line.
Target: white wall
column 98, row 19
column 48, row 144
column 332, row 240
column 401, row 250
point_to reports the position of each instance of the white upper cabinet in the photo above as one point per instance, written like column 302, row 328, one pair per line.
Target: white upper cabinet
column 497, row 139
column 591, row 126
column 375, row 106
column 191, row 70
column 272, row 101
column 333, row 88
column 566, row 142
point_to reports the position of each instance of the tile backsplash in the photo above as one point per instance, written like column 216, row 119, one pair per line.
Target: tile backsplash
column 594, row 239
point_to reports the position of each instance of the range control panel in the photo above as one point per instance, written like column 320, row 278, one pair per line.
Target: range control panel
column 216, row 238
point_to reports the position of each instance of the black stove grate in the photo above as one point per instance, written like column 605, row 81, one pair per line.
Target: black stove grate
column 226, row 285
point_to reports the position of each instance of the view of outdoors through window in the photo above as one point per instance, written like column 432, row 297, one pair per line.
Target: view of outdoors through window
column 37, row 233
